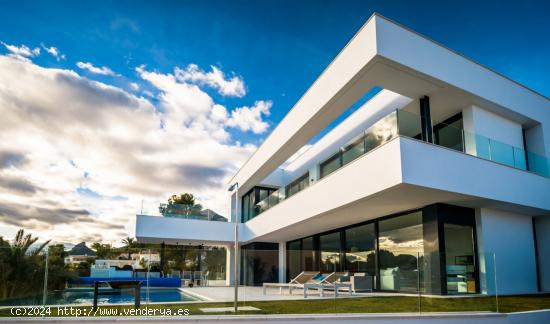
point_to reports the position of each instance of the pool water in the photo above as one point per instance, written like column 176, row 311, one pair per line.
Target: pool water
column 86, row 296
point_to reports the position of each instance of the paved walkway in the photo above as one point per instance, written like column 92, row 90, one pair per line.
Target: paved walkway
column 226, row 294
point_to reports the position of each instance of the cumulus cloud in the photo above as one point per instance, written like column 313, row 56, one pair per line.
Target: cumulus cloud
column 78, row 157
column 53, row 51
column 134, row 86
column 23, row 52
column 251, row 118
column 94, row 69
column 215, row 78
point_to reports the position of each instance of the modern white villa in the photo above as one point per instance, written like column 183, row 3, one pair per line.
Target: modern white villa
column 402, row 155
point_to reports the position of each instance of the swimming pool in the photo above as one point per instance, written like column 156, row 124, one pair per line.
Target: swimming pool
column 86, row 296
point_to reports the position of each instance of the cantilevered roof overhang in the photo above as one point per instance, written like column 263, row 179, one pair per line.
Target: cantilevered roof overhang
column 388, row 55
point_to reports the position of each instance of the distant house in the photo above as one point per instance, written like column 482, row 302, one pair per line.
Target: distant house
column 79, row 253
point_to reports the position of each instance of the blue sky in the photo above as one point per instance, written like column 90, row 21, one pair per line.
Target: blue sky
column 276, row 49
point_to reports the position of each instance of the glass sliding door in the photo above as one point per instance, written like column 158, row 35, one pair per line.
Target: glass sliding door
column 330, row 250
column 294, row 267
column 308, row 254
column 460, row 259
column 360, row 249
column 400, row 243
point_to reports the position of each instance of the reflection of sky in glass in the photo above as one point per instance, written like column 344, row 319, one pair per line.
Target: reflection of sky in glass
column 411, row 247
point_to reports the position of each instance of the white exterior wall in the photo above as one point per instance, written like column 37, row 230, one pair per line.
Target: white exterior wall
column 483, row 122
column 510, row 238
column 229, row 265
column 542, row 225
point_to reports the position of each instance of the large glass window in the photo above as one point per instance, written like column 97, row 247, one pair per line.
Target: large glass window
column 260, row 263
column 360, row 249
column 330, row 248
column 294, row 249
column 254, row 202
column 460, row 258
column 400, row 243
column 308, row 254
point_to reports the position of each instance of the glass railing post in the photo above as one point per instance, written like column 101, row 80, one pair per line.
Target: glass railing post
column 45, row 293
column 495, row 276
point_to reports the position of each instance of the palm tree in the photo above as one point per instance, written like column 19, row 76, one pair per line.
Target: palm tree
column 21, row 268
column 129, row 243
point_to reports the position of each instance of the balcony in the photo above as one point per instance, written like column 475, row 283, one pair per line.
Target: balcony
column 407, row 124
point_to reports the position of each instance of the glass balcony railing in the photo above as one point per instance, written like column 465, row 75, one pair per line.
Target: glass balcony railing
column 186, row 211
column 404, row 123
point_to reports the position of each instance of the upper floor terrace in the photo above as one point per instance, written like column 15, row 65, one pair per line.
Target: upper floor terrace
column 385, row 116
column 414, row 88
column 386, row 55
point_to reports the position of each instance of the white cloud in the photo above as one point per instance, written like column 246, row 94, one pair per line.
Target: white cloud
column 77, row 157
column 94, row 69
column 216, row 79
column 251, row 118
column 53, row 51
column 23, row 52
column 134, row 86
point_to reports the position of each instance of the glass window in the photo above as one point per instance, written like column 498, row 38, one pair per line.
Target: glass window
column 400, row 243
column 329, row 246
column 298, row 185
column 360, row 249
column 246, row 207
column 308, row 254
column 459, row 254
column 353, row 151
column 294, row 266
column 330, row 165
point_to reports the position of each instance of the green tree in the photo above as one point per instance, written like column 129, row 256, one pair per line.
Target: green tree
column 58, row 272
column 182, row 205
column 103, row 251
column 129, row 244
column 22, row 265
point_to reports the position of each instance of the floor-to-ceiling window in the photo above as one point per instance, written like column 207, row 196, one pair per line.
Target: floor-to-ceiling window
column 259, row 263
column 294, row 255
column 330, row 250
column 460, row 258
column 400, row 247
column 431, row 249
column 309, row 262
column 360, row 249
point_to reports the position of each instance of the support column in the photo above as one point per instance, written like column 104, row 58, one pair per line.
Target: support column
column 426, row 120
column 229, row 264
column 282, row 262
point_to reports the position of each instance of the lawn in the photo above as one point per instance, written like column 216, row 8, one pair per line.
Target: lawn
column 400, row 304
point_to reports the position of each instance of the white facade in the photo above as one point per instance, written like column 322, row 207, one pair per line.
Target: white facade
column 484, row 150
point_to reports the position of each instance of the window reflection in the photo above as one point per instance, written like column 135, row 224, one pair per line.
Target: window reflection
column 329, row 245
column 401, row 242
column 360, row 249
